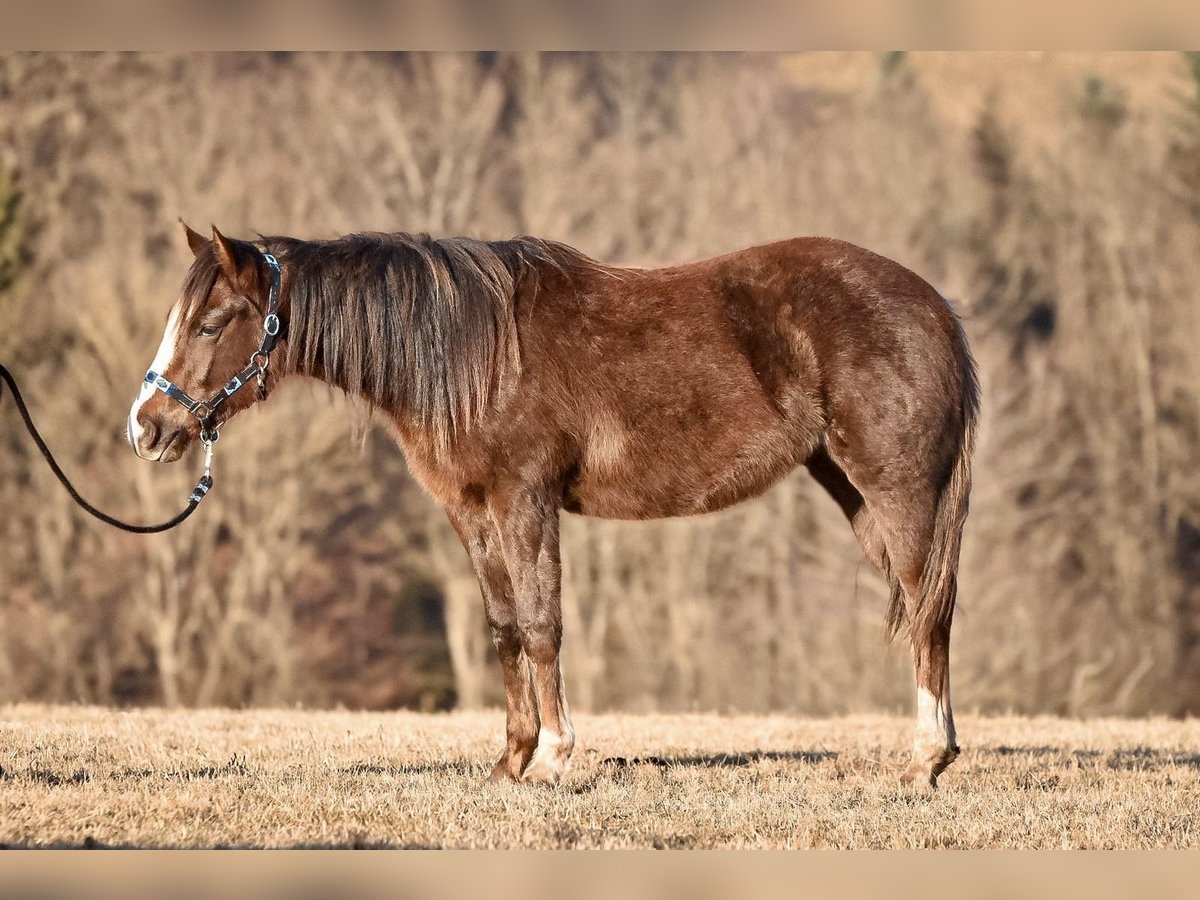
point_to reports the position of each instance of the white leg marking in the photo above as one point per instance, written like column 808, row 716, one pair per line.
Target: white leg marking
column 935, row 721
column 547, row 744
column 547, row 763
column 549, row 760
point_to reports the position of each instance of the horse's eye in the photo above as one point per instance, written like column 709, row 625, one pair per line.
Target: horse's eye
column 209, row 330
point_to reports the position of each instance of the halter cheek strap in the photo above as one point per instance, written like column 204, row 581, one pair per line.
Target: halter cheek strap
column 206, row 410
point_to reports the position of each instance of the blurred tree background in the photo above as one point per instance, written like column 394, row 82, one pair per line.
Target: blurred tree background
column 1054, row 198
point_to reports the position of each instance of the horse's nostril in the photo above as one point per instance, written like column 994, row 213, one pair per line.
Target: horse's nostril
column 150, row 433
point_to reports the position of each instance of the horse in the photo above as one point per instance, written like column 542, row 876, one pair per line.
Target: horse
column 522, row 378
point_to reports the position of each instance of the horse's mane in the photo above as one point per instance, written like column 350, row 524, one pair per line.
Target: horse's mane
column 412, row 322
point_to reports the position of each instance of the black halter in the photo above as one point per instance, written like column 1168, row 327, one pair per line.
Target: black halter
column 206, row 410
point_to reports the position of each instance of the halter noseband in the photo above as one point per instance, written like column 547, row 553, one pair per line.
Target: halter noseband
column 205, row 410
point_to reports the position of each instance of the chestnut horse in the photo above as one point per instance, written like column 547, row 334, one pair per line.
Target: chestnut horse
column 522, row 378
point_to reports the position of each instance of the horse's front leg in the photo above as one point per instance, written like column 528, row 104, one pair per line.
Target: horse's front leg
column 482, row 542
column 528, row 526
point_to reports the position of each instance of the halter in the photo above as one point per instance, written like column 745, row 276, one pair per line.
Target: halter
column 206, row 410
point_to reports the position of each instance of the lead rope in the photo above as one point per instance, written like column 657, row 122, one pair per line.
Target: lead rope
column 202, row 486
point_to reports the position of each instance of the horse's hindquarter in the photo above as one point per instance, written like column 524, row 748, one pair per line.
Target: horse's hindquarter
column 687, row 389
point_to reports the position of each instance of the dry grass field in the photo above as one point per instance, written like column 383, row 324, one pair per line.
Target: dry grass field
column 90, row 776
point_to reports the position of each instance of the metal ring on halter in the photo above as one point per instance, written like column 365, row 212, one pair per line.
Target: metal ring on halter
column 209, row 437
column 260, row 358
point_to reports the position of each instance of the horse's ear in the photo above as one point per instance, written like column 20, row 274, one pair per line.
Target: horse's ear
column 237, row 262
column 196, row 241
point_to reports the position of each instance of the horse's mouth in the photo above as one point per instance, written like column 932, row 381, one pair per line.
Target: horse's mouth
column 170, row 451
column 174, row 448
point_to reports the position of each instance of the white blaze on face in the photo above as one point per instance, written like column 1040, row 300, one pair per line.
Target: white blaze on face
column 162, row 360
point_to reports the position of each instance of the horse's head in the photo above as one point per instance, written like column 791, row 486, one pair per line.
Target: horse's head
column 213, row 329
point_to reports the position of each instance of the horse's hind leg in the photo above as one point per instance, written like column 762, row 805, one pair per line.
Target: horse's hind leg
column 895, row 523
column 907, row 521
column 935, row 745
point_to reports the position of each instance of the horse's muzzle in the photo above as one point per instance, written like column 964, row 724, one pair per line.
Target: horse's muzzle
column 155, row 439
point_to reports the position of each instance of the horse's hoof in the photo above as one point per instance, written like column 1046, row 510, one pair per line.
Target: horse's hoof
column 541, row 775
column 919, row 775
column 926, row 767
column 502, row 773
column 543, row 771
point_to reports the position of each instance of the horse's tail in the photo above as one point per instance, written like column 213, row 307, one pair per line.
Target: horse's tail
column 933, row 607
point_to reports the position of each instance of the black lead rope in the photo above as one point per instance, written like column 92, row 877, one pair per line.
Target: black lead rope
column 202, row 487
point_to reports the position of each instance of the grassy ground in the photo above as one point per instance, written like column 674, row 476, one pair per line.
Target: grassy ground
column 77, row 776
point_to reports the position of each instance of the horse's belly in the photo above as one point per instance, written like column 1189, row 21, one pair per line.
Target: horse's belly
column 660, row 474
